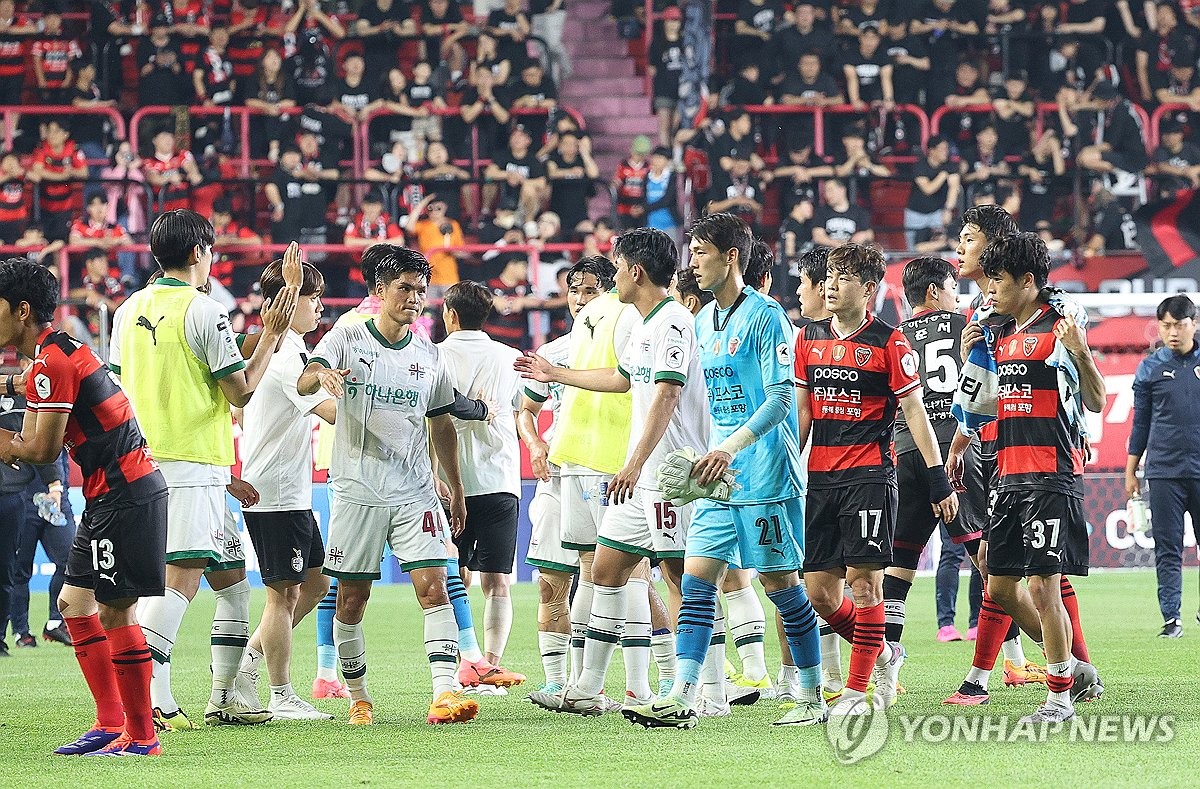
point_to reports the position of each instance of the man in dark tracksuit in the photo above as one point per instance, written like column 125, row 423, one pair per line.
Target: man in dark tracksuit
column 1166, row 427
column 16, row 507
column 56, row 542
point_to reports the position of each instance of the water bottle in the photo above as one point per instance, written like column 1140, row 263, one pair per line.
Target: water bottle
column 1139, row 515
column 48, row 510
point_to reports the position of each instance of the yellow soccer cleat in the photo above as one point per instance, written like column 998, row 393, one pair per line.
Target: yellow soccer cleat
column 451, row 707
column 361, row 713
column 175, row 721
column 1015, row 675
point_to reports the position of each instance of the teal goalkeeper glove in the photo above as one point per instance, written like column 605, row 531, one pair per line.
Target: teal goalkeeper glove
column 675, row 480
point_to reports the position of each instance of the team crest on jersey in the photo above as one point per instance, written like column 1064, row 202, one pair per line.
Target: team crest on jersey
column 1030, row 345
column 839, row 352
column 862, row 356
column 734, row 344
column 297, row 560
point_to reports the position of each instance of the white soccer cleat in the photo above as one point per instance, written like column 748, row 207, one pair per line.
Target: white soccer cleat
column 235, row 713
column 708, row 708
column 807, row 713
column 571, row 699
column 741, row 695
column 485, row 690
column 886, row 675
column 1051, row 712
column 245, row 688
column 294, row 708
column 853, row 706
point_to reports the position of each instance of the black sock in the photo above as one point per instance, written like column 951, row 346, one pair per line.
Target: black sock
column 895, row 591
column 1013, row 631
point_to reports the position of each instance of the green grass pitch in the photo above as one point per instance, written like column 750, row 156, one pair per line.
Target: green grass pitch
column 45, row 703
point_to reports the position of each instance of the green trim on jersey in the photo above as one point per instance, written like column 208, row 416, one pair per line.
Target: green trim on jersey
column 408, row 567
column 670, row 377
column 534, row 396
column 173, row 282
column 240, row 339
column 116, row 368
column 318, row 360
column 216, row 567
column 545, row 565
column 230, row 370
column 391, row 346
column 583, row 547
column 625, row 547
column 623, row 371
column 657, row 307
column 668, row 554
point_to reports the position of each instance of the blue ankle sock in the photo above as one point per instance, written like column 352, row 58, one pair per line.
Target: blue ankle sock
column 326, row 654
column 462, row 608
column 694, row 635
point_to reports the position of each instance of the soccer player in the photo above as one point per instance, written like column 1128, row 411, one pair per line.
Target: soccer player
column 489, row 460
column 590, row 438
column 852, row 370
column 277, row 460
column 934, row 332
column 746, row 354
column 1038, row 529
column 661, row 370
column 389, row 383
column 997, row 631
column 586, row 280
column 117, row 556
column 181, row 367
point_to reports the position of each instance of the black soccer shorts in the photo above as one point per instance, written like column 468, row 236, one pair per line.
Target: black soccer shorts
column 488, row 544
column 915, row 519
column 287, row 544
column 850, row 526
column 120, row 552
column 1037, row 532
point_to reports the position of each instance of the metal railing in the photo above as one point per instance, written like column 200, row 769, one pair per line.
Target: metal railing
column 10, row 114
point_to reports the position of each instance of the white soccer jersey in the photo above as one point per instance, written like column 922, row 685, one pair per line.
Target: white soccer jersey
column 380, row 449
column 557, row 352
column 489, row 457
column 662, row 347
column 276, row 441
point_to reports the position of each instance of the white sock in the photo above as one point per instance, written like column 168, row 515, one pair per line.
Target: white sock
column 553, row 647
column 979, row 676
column 581, row 612
column 281, row 692
column 605, row 628
column 831, row 657
column 352, row 654
column 747, row 624
column 635, row 646
column 1062, row 669
column 441, row 645
column 230, row 636
column 160, row 618
column 663, row 647
column 497, row 623
column 250, row 661
column 1013, row 651
column 789, row 675
column 712, row 673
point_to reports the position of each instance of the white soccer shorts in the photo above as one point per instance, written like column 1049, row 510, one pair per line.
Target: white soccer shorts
column 646, row 525
column 416, row 533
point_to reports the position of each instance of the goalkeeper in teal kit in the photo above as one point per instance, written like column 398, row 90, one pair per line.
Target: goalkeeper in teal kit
column 745, row 343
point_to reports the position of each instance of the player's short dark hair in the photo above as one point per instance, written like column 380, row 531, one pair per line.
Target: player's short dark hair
column 598, row 266
column 22, row 280
column 98, row 197
column 175, row 234
column 1179, row 307
column 920, row 273
column 992, row 220
column 759, row 265
column 1018, row 254
column 815, row 264
column 651, row 249
column 725, row 232
column 686, row 284
column 386, row 262
column 271, row 280
column 860, row 260
column 472, row 303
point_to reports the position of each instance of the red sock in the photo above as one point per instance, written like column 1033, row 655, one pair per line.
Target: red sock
column 1057, row 684
column 867, row 644
column 993, row 629
column 842, row 620
column 131, row 662
column 1071, row 603
column 92, row 652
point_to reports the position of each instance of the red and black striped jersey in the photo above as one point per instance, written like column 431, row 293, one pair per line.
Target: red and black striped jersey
column 854, row 385
column 14, row 202
column 102, row 435
column 58, row 197
column 173, row 195
column 1037, row 446
column 12, row 50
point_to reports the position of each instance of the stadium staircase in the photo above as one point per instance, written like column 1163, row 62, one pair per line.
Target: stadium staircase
column 604, row 84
